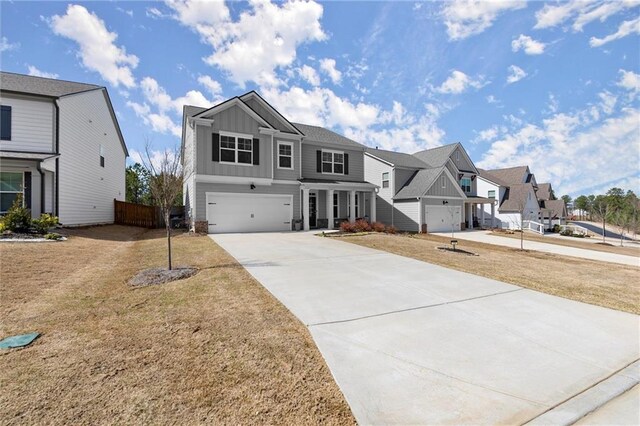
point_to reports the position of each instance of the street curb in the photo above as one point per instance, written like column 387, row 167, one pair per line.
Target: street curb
column 591, row 399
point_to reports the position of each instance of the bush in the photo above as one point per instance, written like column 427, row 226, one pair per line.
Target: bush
column 346, row 227
column 378, row 227
column 18, row 218
column 52, row 236
column 567, row 233
column 44, row 223
column 361, row 225
column 556, row 228
column 391, row 229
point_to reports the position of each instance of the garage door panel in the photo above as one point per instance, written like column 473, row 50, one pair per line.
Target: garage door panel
column 441, row 219
column 249, row 212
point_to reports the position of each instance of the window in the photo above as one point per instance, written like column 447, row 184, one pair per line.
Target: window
column 333, row 162
column 285, row 155
column 101, row 156
column 385, row 180
column 491, row 193
column 457, row 155
column 5, row 124
column 245, row 151
column 443, row 181
column 357, row 205
column 336, row 205
column 236, row 149
column 227, row 149
column 465, row 184
column 11, row 185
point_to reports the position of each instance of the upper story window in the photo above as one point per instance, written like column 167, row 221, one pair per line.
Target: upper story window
column 491, row 193
column 5, row 123
column 465, row 184
column 333, row 162
column 236, row 149
column 385, row 179
column 101, row 155
column 11, row 185
column 285, row 155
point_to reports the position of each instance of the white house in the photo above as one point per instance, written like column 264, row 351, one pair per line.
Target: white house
column 61, row 148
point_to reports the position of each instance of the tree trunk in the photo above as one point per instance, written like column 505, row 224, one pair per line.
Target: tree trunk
column 168, row 226
column 604, row 232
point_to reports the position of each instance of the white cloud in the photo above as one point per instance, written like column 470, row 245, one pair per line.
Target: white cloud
column 458, row 82
column 38, row 73
column 156, row 157
column 582, row 12
column 489, row 134
column 629, row 80
column 625, row 29
column 491, row 99
column 328, row 66
column 515, row 74
column 260, row 41
column 210, row 84
column 607, row 102
column 5, row 46
column 465, row 18
column 309, row 74
column 97, row 49
column 600, row 12
column 551, row 16
column 528, row 45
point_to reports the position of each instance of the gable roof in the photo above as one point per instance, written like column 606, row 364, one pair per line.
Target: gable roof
column 510, row 175
column 419, row 183
column 516, row 195
column 436, row 157
column 272, row 110
column 544, row 191
column 322, row 135
column 235, row 101
column 398, row 159
column 486, row 174
column 556, row 206
column 40, row 86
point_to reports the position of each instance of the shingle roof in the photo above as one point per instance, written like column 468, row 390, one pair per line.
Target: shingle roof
column 510, row 175
column 515, row 197
column 190, row 110
column 21, row 83
column 418, row 183
column 436, row 157
column 487, row 175
column 399, row 159
column 320, row 134
column 544, row 191
column 556, row 206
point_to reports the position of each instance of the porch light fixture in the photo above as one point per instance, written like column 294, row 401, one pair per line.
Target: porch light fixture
column 444, row 202
column 252, row 186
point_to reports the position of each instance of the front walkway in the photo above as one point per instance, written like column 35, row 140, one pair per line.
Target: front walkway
column 409, row 342
column 488, row 238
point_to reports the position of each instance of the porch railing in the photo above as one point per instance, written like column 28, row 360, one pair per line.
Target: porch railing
column 533, row 226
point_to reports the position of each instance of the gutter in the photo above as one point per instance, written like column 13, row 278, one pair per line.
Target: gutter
column 57, row 143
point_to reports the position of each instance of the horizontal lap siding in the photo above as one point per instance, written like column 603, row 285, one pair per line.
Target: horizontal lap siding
column 310, row 170
column 373, row 174
column 203, row 188
column 32, row 124
column 87, row 190
column 286, row 174
column 407, row 215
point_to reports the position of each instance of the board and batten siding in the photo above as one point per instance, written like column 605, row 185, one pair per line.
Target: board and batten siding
column 448, row 191
column 202, row 188
column 87, row 190
column 188, row 162
column 407, row 215
column 234, row 120
column 460, row 160
column 309, row 163
column 32, row 124
column 373, row 170
column 267, row 115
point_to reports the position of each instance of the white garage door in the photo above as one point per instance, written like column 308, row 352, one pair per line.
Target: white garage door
column 441, row 218
column 248, row 212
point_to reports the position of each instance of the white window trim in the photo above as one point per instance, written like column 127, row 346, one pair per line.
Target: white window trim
column 357, row 204
column 236, row 136
column 333, row 152
column 388, row 180
column 444, row 181
column 278, row 154
column 21, row 172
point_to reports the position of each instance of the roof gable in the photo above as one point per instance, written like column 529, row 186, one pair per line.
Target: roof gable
column 322, row 135
column 439, row 156
column 511, row 175
column 398, row 159
column 516, row 197
column 235, row 101
column 269, row 113
column 422, row 180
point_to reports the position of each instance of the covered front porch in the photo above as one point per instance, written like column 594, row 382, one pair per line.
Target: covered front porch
column 326, row 204
column 475, row 215
column 30, row 175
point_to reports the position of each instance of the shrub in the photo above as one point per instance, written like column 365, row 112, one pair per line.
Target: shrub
column 391, row 229
column 52, row 236
column 556, row 228
column 44, row 223
column 18, row 218
column 378, row 227
column 346, row 227
column 567, row 233
column 361, row 225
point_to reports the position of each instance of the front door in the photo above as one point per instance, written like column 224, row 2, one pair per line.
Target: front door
column 313, row 210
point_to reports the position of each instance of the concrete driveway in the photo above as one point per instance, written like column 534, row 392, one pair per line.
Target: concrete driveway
column 413, row 343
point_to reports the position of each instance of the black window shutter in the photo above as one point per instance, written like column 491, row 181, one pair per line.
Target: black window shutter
column 216, row 147
column 5, row 123
column 346, row 164
column 27, row 189
column 256, row 151
column 319, row 161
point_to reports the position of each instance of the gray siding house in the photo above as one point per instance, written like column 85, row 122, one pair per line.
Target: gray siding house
column 249, row 169
column 61, row 148
column 429, row 191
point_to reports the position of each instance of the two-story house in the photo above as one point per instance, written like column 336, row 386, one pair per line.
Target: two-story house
column 552, row 210
column 248, row 169
column 61, row 148
column 429, row 191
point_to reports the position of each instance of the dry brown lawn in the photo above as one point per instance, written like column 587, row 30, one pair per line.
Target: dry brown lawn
column 599, row 283
column 215, row 348
column 629, row 249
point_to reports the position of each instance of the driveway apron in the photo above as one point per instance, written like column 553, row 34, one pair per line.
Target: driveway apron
column 409, row 342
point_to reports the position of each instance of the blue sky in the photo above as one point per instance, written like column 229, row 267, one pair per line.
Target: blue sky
column 553, row 85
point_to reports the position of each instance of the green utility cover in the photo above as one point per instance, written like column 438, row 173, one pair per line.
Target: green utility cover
column 18, row 341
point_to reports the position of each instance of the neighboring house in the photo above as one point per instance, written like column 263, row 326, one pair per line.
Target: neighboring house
column 61, row 148
column 553, row 211
column 515, row 189
column 247, row 169
column 429, row 191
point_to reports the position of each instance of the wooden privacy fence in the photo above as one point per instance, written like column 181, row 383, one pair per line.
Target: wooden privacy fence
column 137, row 215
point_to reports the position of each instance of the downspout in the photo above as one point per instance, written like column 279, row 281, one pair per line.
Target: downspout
column 57, row 142
column 393, row 190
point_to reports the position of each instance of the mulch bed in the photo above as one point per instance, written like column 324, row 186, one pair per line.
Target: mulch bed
column 156, row 276
column 459, row 251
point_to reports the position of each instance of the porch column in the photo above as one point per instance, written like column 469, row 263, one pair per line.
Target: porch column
column 470, row 216
column 305, row 209
column 330, row 217
column 550, row 221
column 374, row 201
column 352, row 206
column 481, row 215
column 493, row 215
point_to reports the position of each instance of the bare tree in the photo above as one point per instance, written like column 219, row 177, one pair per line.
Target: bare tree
column 165, row 183
column 602, row 206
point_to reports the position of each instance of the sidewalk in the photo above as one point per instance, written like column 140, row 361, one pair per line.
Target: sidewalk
column 487, row 238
